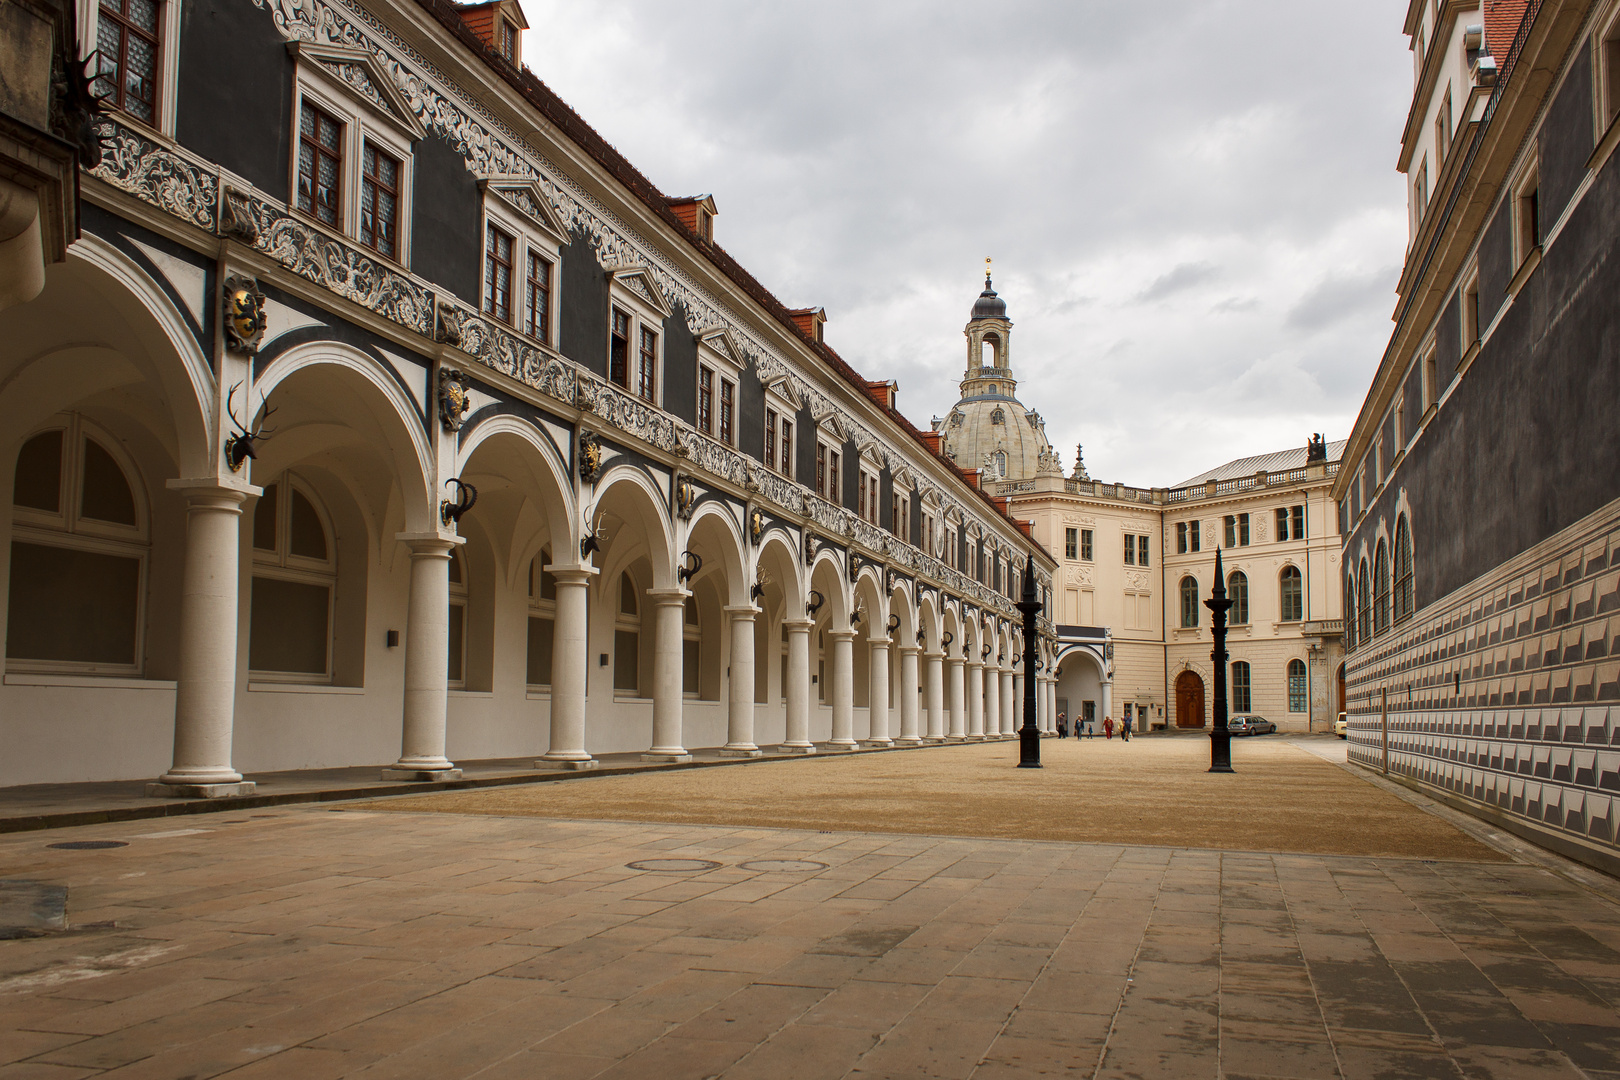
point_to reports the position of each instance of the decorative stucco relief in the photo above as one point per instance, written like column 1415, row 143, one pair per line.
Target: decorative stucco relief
column 136, row 164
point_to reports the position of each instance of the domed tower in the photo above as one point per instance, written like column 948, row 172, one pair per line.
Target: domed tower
column 989, row 428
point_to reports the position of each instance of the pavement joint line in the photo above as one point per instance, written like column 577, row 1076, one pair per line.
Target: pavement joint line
column 1458, row 814
column 181, row 808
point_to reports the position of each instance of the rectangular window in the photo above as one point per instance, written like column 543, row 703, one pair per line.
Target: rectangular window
column 787, row 448
column 1130, row 550
column 130, row 49
column 320, row 166
column 821, row 469
column 1529, row 217
column 1243, row 530
column 1085, row 545
column 1241, row 701
column 833, row 475
column 1181, row 538
column 705, row 401
column 508, row 42
column 498, row 275
column 627, row 662
column 649, row 364
column 1282, row 523
column 770, row 438
column 1142, row 551
column 619, row 350
column 1611, row 74
column 1297, row 690
column 1237, row 530
column 728, row 409
column 1298, row 514
column 379, row 201
column 542, row 639
column 1071, row 543
column 1194, row 535
column 1231, row 531
column 1470, row 320
column 539, row 298
column 1431, row 379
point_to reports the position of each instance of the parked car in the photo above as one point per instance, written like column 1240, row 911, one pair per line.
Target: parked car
column 1249, row 724
column 1341, row 727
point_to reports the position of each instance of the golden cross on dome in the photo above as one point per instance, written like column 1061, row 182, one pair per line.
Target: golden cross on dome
column 987, row 271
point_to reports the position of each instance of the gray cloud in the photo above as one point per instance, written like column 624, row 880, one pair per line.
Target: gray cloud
column 867, row 157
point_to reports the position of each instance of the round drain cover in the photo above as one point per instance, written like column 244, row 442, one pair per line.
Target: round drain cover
column 789, row 866
column 88, row 845
column 674, row 865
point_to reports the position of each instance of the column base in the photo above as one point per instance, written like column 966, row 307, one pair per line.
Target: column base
column 876, row 744
column 955, row 738
column 670, row 757
column 566, row 763
column 741, row 751
column 841, row 746
column 160, row 790
column 406, row 772
column 904, row 741
column 796, row 748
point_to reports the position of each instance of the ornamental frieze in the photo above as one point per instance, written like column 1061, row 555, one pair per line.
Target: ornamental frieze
column 153, row 174
column 629, row 414
column 496, row 347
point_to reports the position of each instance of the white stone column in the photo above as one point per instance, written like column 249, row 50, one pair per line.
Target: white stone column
column 909, row 735
column 205, row 695
column 990, row 675
column 975, row 698
column 959, row 720
column 935, row 681
column 669, row 648
column 877, row 694
column 740, row 700
column 569, row 670
column 797, row 679
column 841, row 692
column 427, row 664
column 1009, row 704
column 1107, row 703
column 1018, row 704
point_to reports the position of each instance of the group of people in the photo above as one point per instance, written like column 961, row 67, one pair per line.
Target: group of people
column 1084, row 729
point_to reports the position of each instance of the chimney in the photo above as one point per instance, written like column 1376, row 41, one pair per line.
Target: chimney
column 499, row 25
column 697, row 212
column 810, row 320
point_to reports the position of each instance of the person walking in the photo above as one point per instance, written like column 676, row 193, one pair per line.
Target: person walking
column 1125, row 729
column 1063, row 726
column 1108, row 727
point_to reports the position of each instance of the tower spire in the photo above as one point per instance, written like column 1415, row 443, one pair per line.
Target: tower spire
column 987, row 271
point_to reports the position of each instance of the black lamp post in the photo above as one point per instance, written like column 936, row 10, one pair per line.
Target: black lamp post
column 1029, row 736
column 1220, row 739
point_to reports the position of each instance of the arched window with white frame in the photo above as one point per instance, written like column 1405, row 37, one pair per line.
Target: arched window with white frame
column 1404, row 600
column 1298, row 686
column 1189, row 601
column 1242, row 698
column 1237, row 591
column 294, row 582
column 542, row 619
column 79, row 549
column 1292, row 589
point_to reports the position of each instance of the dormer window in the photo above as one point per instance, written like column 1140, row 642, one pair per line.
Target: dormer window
column 508, row 42
column 705, row 225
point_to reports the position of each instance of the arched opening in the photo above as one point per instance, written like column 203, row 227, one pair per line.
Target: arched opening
column 1298, row 687
column 1189, row 602
column 1363, row 604
column 78, row 555
column 990, row 350
column 1291, row 586
column 1381, row 589
column 1189, row 699
column 1237, row 591
column 1403, row 570
column 1080, row 689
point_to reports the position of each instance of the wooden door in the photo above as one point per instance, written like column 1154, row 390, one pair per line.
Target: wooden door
column 1189, row 700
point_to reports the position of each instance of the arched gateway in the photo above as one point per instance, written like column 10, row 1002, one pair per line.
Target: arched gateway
column 1189, row 700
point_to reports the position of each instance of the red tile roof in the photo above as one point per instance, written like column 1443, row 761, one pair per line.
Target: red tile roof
column 1502, row 19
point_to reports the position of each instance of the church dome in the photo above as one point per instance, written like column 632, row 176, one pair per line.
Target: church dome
column 989, row 305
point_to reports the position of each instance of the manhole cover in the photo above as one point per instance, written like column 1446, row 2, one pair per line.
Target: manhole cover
column 87, row 845
column 668, row 866
column 789, row 866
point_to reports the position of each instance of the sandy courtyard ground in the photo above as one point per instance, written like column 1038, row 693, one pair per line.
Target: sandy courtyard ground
column 1147, row 791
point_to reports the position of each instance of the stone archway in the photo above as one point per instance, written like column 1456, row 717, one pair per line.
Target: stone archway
column 1189, row 700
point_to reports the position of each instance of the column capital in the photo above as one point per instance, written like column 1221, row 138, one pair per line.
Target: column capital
column 208, row 492
column 572, row 575
column 879, row 642
column 429, row 545
column 841, row 635
column 744, row 612
column 903, row 649
column 935, row 656
column 799, row 625
column 670, row 597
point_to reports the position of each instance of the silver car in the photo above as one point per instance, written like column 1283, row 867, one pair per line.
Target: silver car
column 1249, row 724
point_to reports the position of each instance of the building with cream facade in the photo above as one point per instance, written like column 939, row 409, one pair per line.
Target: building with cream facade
column 1135, row 564
column 376, row 410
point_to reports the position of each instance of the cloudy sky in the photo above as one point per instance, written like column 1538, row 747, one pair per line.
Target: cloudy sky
column 1192, row 204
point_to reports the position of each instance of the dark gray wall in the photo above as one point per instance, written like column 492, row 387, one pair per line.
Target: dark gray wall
column 233, row 98
column 806, row 435
column 1495, row 263
column 751, row 414
column 1448, row 341
column 850, row 485
column 680, row 367
column 1528, row 443
column 1391, row 447
column 1414, row 400
column 446, row 219
column 583, row 323
column 1566, row 142
column 886, row 499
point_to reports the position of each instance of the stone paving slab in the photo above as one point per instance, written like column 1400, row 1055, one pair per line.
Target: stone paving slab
column 315, row 942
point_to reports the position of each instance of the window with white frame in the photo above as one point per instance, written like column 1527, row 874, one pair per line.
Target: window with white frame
column 635, row 342
column 1442, row 131
column 866, row 501
column 542, row 619
column 78, row 554
column 522, row 245
column 1298, row 688
column 352, row 143
column 457, row 626
column 900, row 516
column 779, row 434
column 133, row 41
column 294, row 583
column 1291, row 522
column 1237, row 530
column 1527, row 212
column 828, row 470
column 1609, row 69
column 1431, row 377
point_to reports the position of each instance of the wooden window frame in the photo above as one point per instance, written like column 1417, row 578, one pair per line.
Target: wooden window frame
column 370, row 148
column 319, row 152
column 537, row 295
column 492, row 306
